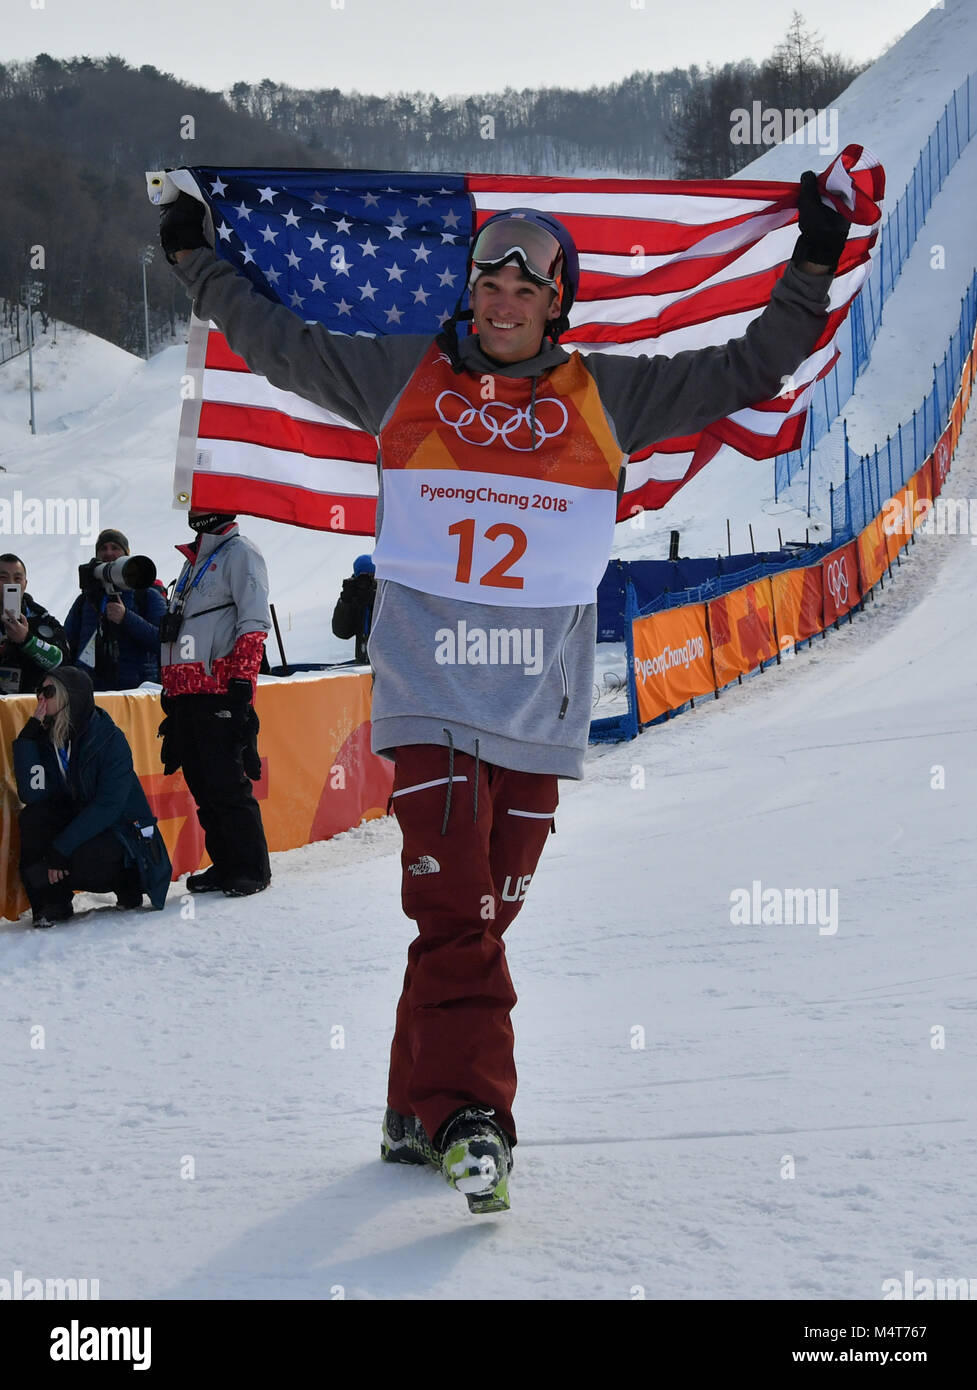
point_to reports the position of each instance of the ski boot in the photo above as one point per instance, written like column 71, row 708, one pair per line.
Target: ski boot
column 402, row 1140
column 476, row 1158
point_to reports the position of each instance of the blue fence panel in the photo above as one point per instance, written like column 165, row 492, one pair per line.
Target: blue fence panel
column 954, row 131
column 871, row 479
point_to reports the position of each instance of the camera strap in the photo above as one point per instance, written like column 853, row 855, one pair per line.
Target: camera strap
column 216, row 608
column 183, row 590
column 182, row 581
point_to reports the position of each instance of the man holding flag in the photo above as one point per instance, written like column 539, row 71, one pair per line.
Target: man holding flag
column 501, row 463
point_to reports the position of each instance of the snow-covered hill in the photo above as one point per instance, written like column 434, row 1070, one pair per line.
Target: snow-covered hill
column 786, row 1126
column 707, row 1108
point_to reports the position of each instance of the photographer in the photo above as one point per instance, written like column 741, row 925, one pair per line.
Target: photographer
column 113, row 634
column 86, row 823
column 354, row 611
column 32, row 642
column 213, row 637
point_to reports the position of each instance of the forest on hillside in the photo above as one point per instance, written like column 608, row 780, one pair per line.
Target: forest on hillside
column 75, row 223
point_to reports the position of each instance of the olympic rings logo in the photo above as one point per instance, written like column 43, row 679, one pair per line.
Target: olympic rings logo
column 942, row 459
column 504, row 428
column 837, row 580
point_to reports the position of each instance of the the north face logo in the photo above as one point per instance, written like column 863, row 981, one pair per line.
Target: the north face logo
column 425, row 865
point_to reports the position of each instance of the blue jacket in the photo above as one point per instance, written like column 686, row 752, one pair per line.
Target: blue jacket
column 103, row 784
column 138, row 637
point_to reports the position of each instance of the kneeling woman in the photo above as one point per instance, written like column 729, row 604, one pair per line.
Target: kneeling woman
column 86, row 823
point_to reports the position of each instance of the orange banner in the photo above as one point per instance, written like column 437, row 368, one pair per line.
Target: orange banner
column 900, row 517
column 922, row 481
column 797, row 605
column 966, row 378
column 873, row 554
column 839, row 581
column 318, row 776
column 741, row 627
column 942, row 456
column 672, row 660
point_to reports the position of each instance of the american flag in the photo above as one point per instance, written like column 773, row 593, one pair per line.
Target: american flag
column 664, row 266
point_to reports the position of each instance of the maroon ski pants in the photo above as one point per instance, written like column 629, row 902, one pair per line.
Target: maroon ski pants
column 470, row 849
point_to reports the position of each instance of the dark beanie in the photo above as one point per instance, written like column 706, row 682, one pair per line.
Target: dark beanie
column 117, row 538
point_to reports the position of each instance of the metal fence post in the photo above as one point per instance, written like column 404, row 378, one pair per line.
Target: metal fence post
column 877, row 499
column 915, row 445
column 936, row 404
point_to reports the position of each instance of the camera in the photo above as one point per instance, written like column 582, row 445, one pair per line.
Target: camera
column 169, row 628
column 128, row 572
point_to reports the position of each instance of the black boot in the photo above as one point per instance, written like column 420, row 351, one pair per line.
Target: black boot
column 206, row 882
column 128, row 891
column 403, row 1140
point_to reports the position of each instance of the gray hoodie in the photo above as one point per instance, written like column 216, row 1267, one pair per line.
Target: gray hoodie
column 533, row 714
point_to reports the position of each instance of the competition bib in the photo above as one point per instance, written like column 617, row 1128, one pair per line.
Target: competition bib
column 472, row 511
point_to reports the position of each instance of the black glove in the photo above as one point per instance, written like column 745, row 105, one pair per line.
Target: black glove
column 54, row 859
column 170, row 752
column 181, row 226
column 250, row 758
column 823, row 232
column 239, row 693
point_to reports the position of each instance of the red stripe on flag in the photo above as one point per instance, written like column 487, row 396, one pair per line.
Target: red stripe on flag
column 318, row 511
column 220, row 357
column 687, row 273
column 761, row 446
column 748, row 189
column 732, row 297
column 271, row 429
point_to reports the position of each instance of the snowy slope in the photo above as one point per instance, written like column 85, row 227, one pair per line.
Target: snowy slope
column 657, row 1166
column 170, row 1037
column 892, row 108
column 108, row 421
column 107, row 427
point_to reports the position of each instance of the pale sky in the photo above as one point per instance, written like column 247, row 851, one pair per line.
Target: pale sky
column 436, row 45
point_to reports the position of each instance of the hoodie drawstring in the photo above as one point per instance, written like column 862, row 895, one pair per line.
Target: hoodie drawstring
column 532, row 414
column 475, row 812
column 451, row 780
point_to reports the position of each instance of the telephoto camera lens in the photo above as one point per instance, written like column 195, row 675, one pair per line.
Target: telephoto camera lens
column 128, row 572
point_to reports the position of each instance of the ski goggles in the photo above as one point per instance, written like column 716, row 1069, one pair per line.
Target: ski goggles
column 512, row 238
